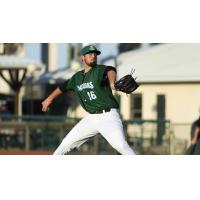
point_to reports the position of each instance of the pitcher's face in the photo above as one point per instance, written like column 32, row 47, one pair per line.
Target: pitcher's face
column 90, row 59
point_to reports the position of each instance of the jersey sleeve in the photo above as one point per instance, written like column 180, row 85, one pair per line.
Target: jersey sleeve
column 67, row 85
column 198, row 123
column 103, row 78
column 105, row 70
column 109, row 68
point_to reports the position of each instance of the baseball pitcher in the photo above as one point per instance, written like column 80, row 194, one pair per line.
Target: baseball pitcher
column 93, row 87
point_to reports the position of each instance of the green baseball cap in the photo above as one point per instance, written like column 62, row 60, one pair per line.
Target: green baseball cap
column 89, row 49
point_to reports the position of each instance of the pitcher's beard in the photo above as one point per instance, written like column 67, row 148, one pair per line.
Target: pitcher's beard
column 92, row 64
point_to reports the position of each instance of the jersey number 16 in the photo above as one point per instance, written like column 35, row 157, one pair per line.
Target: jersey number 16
column 91, row 95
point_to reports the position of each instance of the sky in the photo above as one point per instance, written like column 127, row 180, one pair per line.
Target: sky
column 108, row 49
column 33, row 50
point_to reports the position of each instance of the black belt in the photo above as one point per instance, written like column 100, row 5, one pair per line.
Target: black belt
column 101, row 111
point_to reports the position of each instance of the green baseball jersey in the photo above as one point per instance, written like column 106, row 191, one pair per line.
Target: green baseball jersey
column 92, row 89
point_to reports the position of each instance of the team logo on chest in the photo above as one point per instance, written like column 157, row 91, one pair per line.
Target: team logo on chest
column 85, row 86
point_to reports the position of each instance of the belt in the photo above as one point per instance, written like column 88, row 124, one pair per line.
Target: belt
column 101, row 111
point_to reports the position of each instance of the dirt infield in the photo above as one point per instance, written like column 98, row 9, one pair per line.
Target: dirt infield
column 24, row 152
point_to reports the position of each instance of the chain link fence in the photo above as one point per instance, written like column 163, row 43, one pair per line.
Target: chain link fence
column 47, row 132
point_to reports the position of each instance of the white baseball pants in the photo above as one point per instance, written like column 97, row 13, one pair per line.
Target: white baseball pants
column 108, row 124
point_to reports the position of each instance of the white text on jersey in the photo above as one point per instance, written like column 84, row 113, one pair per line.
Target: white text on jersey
column 85, row 86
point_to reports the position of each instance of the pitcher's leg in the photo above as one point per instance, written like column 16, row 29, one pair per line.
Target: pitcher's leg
column 118, row 142
column 76, row 137
column 112, row 130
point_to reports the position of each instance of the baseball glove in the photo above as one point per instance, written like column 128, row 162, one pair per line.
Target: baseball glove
column 126, row 84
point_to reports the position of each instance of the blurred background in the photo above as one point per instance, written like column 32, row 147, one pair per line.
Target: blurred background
column 157, row 117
